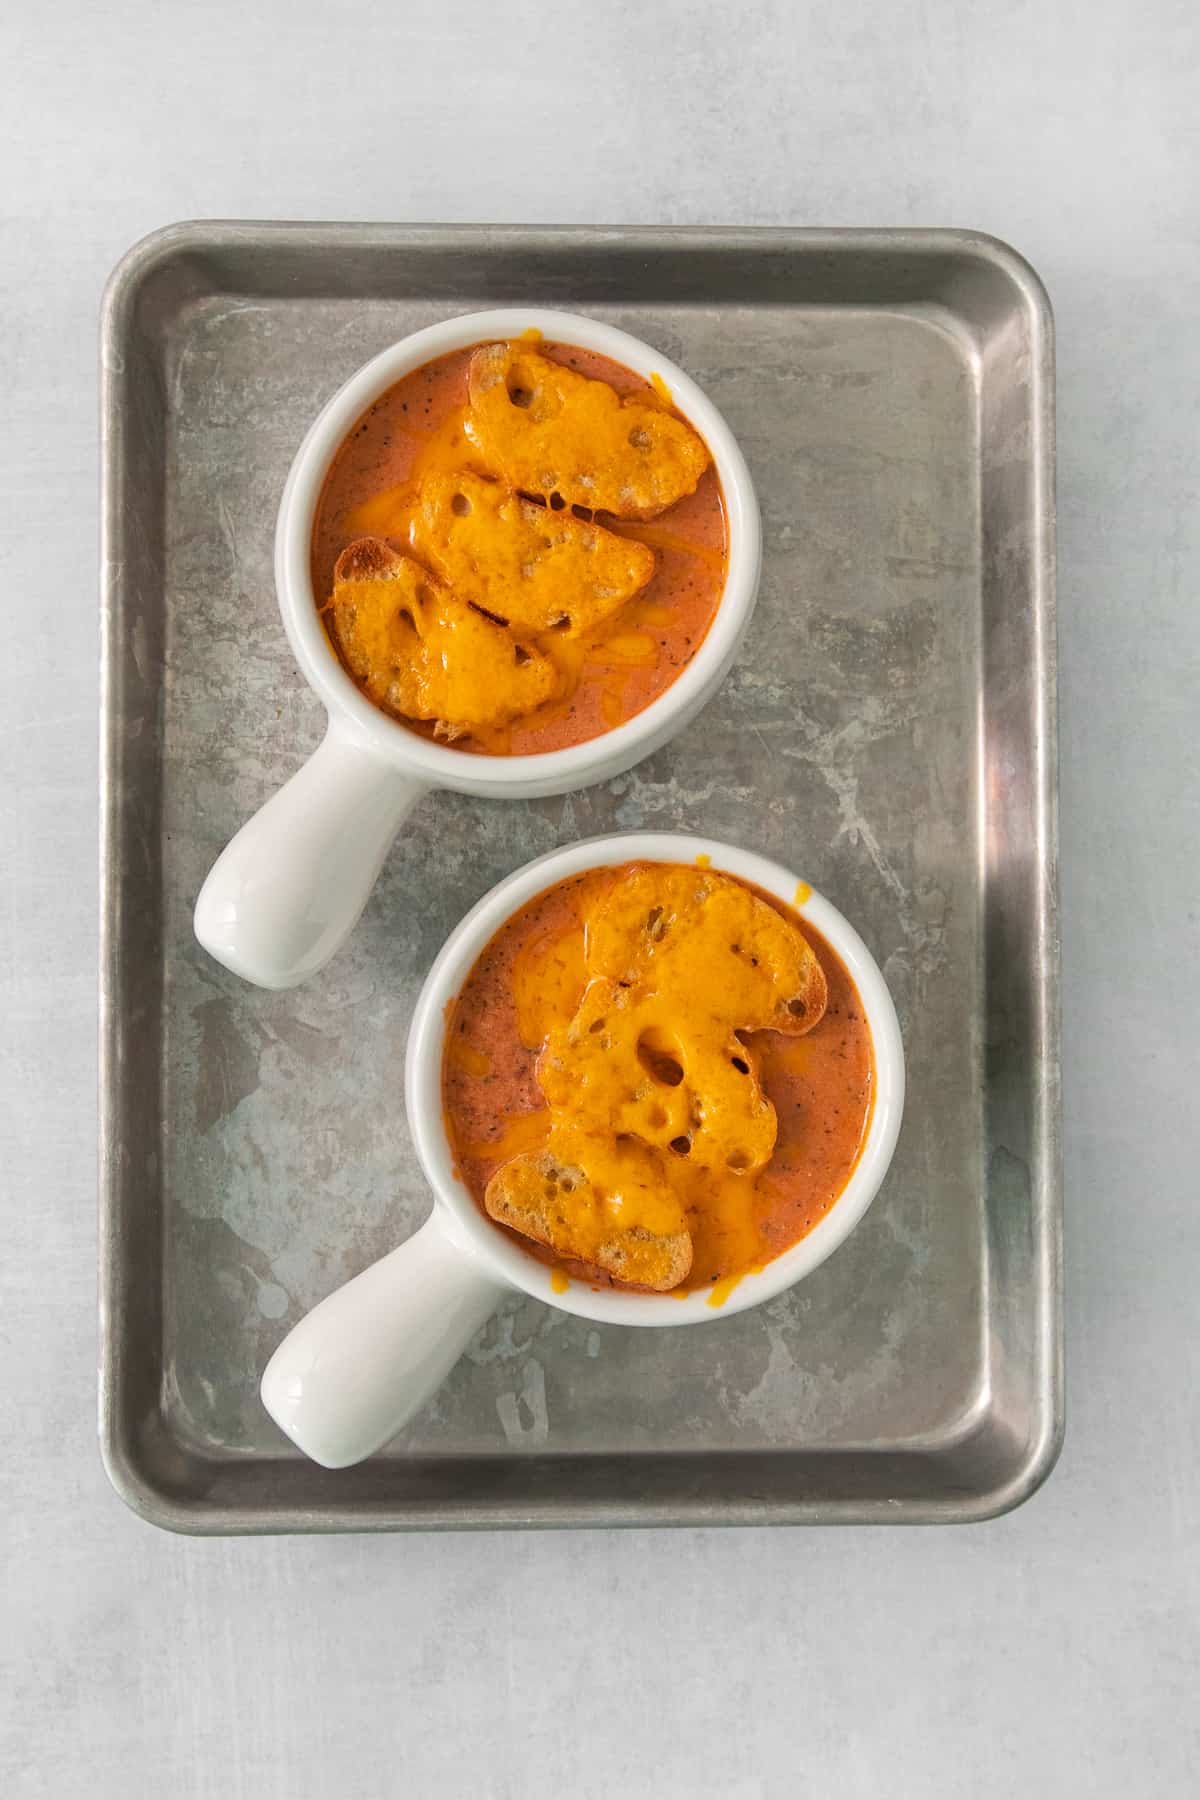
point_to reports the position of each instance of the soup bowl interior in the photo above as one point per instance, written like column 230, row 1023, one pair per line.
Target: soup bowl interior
column 578, row 764
column 502, row 1254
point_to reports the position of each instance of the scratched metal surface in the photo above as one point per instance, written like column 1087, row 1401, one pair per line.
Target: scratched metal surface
column 881, row 733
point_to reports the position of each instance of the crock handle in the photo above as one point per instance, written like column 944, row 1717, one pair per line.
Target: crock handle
column 285, row 895
column 356, row 1368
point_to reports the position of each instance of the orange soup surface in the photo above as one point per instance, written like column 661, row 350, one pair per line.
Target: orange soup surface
column 531, row 979
column 416, row 433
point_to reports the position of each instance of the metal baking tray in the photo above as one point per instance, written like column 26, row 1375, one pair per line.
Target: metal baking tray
column 888, row 730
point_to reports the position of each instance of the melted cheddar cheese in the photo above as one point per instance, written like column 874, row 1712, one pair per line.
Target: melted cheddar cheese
column 656, row 1124
column 422, row 653
column 551, row 431
column 530, row 567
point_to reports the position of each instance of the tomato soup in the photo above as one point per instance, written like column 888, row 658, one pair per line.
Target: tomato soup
column 416, row 433
column 532, row 976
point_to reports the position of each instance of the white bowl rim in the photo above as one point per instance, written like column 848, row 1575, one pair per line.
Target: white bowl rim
column 577, row 764
column 504, row 1258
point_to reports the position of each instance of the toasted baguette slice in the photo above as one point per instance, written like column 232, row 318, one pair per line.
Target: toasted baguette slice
column 539, row 570
column 710, row 941
column 555, row 1203
column 549, row 430
column 370, row 559
column 420, row 652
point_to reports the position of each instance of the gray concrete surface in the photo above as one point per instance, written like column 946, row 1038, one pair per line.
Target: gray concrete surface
column 1054, row 1652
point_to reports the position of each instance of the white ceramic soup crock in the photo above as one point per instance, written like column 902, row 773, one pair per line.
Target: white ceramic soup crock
column 289, row 889
column 351, row 1373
